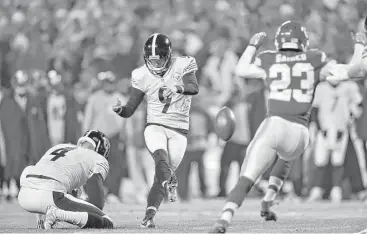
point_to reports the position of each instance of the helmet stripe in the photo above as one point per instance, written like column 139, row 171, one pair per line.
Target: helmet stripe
column 153, row 43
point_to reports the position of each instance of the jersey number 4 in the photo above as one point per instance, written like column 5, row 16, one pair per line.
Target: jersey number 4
column 60, row 153
column 279, row 89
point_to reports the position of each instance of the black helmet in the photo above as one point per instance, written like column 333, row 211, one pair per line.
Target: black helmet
column 98, row 140
column 157, row 53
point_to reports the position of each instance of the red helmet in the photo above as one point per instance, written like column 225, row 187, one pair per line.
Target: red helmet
column 291, row 35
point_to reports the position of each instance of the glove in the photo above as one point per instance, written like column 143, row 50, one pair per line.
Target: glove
column 257, row 39
column 117, row 107
column 359, row 38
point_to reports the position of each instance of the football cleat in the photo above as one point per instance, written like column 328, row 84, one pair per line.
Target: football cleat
column 172, row 185
column 225, row 123
column 219, row 227
column 51, row 217
column 266, row 213
column 148, row 221
column 40, row 224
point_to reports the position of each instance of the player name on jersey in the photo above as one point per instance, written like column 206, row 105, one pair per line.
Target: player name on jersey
column 280, row 58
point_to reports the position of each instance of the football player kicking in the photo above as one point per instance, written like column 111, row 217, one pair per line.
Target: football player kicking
column 292, row 73
column 168, row 84
column 45, row 187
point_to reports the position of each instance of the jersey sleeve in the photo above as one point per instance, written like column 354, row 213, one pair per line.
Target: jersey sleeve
column 101, row 167
column 260, row 62
column 318, row 95
column 355, row 94
column 137, row 80
column 191, row 66
column 321, row 63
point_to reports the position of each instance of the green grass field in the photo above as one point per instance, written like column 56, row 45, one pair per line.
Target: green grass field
column 198, row 216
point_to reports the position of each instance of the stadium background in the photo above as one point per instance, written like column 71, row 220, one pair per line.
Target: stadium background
column 80, row 39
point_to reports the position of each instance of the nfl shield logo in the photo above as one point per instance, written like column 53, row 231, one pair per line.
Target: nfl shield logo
column 177, row 76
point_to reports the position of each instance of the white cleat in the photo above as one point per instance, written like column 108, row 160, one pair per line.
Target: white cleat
column 51, row 217
column 172, row 185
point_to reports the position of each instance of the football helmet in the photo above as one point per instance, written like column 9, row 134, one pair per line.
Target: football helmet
column 158, row 53
column 99, row 141
column 291, row 35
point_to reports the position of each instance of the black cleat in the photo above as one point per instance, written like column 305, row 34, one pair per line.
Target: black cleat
column 219, row 227
column 148, row 221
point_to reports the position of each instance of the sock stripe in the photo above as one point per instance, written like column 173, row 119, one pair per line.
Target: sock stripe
column 152, row 208
column 273, row 187
column 229, row 210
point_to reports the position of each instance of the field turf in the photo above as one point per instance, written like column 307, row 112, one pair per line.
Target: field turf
column 199, row 215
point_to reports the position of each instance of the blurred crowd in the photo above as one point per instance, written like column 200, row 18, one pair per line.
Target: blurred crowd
column 63, row 64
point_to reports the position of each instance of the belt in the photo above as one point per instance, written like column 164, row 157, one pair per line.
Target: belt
column 41, row 177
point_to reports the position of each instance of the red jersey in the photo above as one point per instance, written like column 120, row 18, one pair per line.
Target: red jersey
column 292, row 78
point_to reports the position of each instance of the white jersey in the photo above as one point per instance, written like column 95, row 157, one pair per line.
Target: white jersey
column 172, row 112
column 69, row 166
column 336, row 103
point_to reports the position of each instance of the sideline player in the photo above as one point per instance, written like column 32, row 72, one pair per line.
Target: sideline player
column 45, row 187
column 292, row 73
column 168, row 84
column 337, row 104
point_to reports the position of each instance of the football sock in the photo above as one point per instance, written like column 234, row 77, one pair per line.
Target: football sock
column 155, row 196
column 235, row 198
column 337, row 175
column 278, row 174
column 274, row 186
column 281, row 169
column 319, row 176
column 162, row 168
column 81, row 219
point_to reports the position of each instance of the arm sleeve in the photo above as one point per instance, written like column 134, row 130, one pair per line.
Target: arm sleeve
column 136, row 97
column 94, row 190
column 250, row 67
column 191, row 86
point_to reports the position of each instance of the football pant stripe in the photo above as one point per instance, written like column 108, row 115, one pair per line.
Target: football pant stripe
column 153, row 43
column 258, row 135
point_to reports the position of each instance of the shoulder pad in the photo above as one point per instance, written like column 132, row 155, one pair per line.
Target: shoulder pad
column 259, row 57
column 189, row 64
column 137, row 76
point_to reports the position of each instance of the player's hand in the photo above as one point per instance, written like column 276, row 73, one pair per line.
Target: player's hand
column 257, row 39
column 359, row 38
column 117, row 107
column 168, row 92
column 76, row 192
